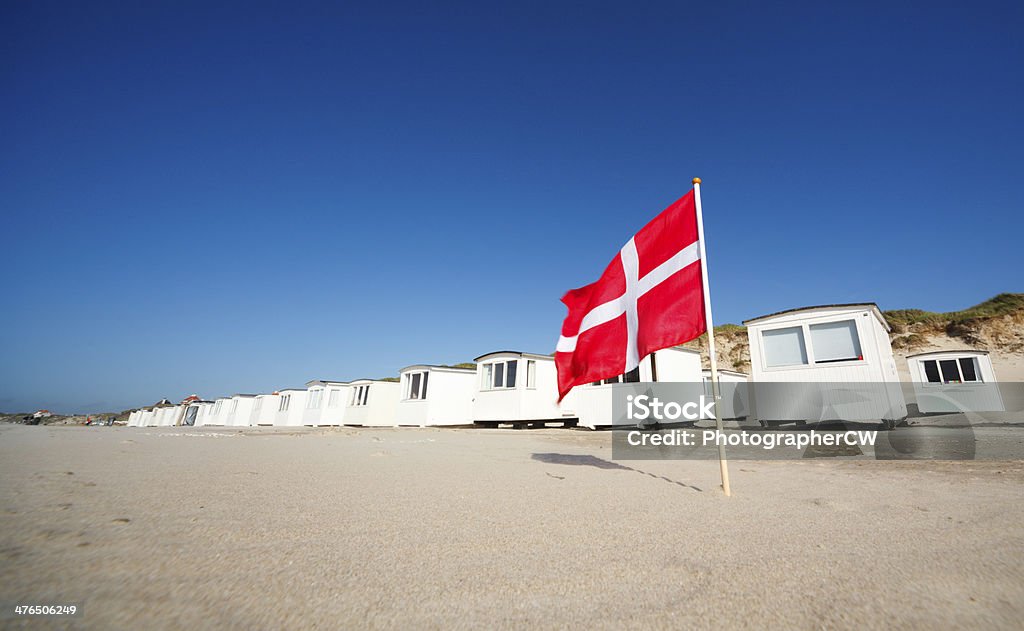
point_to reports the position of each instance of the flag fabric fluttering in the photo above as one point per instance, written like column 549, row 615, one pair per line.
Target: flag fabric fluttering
column 650, row 297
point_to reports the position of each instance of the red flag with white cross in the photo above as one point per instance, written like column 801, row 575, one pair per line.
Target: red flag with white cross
column 651, row 296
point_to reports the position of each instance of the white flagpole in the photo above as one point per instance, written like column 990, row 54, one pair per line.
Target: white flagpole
column 722, row 462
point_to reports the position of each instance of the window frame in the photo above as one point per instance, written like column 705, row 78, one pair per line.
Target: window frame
column 360, row 396
column 490, row 374
column 857, row 344
column 333, row 398
column 421, row 386
column 315, row 395
column 805, row 331
column 978, row 377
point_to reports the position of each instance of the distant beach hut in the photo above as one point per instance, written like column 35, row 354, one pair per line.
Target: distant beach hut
column 147, row 418
column 436, row 395
column 168, row 416
column 846, row 345
column 197, row 412
column 325, row 403
column 264, row 409
column 733, row 386
column 520, row 389
column 291, row 405
column 955, row 381
column 133, row 418
column 219, row 414
column 239, row 410
column 594, row 401
column 193, row 407
column 372, row 402
column 725, row 376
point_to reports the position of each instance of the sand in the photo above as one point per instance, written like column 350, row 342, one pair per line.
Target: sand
column 169, row 528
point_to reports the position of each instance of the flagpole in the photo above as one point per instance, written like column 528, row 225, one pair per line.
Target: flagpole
column 722, row 462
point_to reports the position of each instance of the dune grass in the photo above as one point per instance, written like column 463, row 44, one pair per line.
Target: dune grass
column 993, row 307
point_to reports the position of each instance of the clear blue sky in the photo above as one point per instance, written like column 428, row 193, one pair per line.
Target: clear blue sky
column 242, row 197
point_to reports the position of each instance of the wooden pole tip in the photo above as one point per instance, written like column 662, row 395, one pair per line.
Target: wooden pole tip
column 696, row 180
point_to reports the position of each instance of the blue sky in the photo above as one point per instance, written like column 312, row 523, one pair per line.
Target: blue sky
column 243, row 197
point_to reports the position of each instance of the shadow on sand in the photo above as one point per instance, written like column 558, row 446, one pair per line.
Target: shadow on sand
column 593, row 461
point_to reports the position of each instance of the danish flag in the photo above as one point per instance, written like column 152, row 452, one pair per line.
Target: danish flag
column 651, row 296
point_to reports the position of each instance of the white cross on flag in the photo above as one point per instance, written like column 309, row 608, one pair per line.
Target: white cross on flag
column 650, row 297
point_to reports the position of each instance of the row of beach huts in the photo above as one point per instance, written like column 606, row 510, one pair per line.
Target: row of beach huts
column 834, row 344
column 504, row 387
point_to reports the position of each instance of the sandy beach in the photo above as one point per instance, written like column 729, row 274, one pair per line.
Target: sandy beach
column 181, row 528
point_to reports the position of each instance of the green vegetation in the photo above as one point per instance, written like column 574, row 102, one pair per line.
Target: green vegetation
column 912, row 341
column 730, row 328
column 1002, row 304
column 460, row 365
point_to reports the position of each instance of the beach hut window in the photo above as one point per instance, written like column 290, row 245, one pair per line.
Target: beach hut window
column 531, row 373
column 234, row 406
column 950, row 371
column 486, row 382
column 416, row 385
column 967, row 369
column 360, row 394
column 334, row 398
column 285, row 401
column 217, row 406
column 963, row 370
column 784, row 347
column 500, row 375
column 835, row 342
column 315, row 398
column 632, row 376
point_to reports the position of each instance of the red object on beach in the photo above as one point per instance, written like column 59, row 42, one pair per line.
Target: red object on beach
column 648, row 298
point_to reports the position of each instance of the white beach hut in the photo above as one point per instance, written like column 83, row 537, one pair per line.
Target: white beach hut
column 147, row 418
column 239, row 410
column 733, row 386
column 169, row 416
column 436, row 395
column 196, row 413
column 264, row 409
column 594, row 402
column 219, row 414
column 325, row 403
column 846, row 346
column 520, row 389
column 291, row 407
column 192, row 409
column 955, row 381
column 372, row 402
column 133, row 418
